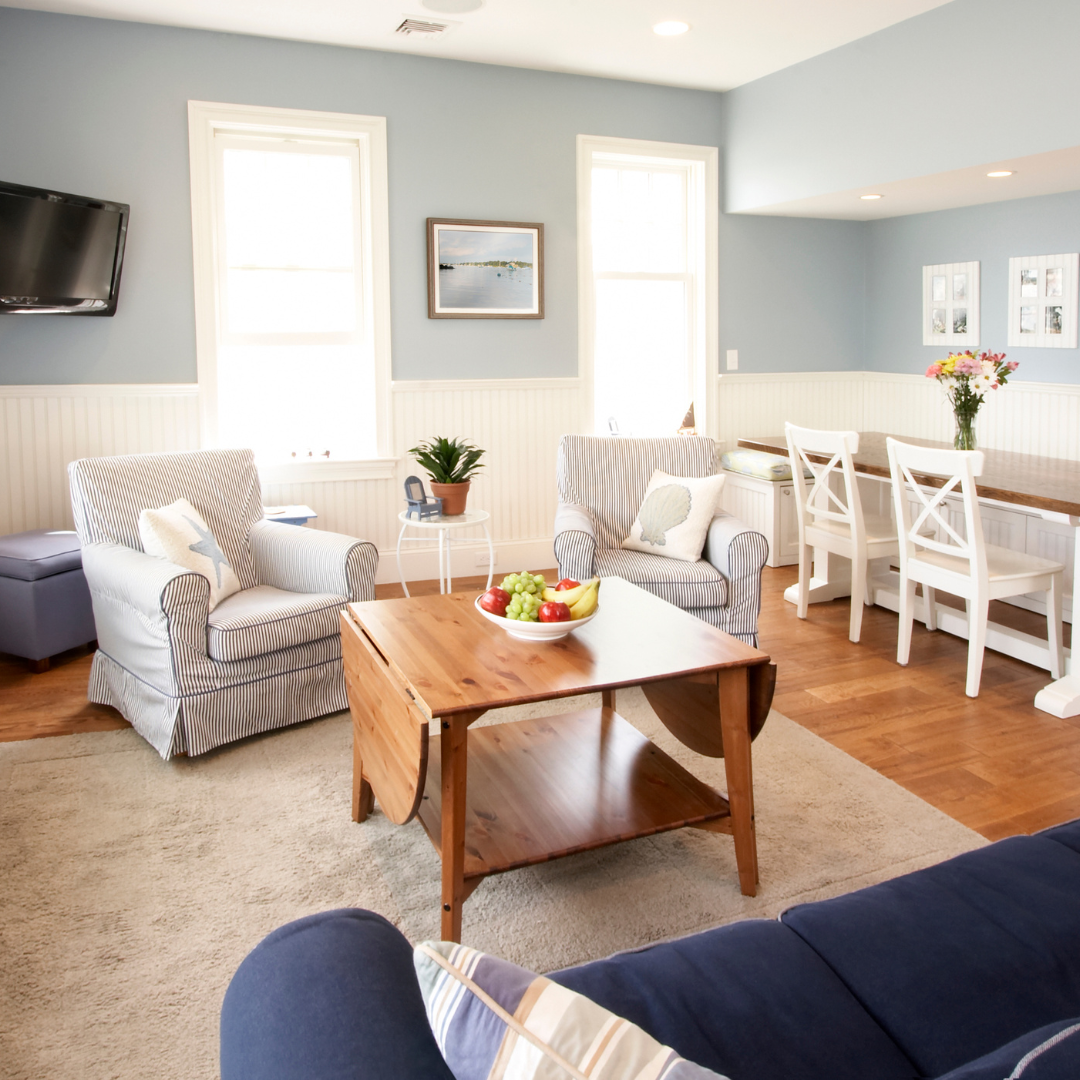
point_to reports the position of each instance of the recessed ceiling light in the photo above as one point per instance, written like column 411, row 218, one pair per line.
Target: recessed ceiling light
column 1000, row 172
column 452, row 7
column 868, row 197
column 670, row 29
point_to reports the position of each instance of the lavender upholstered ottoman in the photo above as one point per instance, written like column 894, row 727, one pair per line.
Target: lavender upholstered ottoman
column 44, row 600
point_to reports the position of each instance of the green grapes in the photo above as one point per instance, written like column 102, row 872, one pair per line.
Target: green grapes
column 525, row 591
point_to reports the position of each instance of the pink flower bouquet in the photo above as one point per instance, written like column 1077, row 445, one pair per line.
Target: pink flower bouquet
column 966, row 377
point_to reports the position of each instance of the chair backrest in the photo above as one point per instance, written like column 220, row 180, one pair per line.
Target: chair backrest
column 608, row 475
column 831, row 492
column 958, row 468
column 108, row 494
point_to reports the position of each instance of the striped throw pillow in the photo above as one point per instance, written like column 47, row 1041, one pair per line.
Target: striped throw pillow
column 496, row 1021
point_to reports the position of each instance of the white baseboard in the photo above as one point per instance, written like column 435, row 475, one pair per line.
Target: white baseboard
column 422, row 564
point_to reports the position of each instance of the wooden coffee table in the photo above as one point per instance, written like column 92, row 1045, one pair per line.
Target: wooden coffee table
column 514, row 794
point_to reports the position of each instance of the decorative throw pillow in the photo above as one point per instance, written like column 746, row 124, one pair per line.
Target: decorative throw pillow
column 674, row 516
column 496, row 1021
column 179, row 534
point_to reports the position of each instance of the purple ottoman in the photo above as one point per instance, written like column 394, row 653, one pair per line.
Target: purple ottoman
column 44, row 600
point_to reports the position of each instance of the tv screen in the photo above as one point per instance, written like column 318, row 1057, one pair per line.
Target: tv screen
column 60, row 254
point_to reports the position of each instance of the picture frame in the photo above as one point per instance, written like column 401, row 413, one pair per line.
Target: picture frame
column 951, row 298
column 485, row 269
column 1043, row 301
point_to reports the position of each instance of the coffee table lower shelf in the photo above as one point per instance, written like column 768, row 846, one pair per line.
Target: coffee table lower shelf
column 541, row 789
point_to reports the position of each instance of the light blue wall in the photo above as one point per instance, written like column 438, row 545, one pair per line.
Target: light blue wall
column 970, row 82
column 99, row 108
column 792, row 293
column 900, row 247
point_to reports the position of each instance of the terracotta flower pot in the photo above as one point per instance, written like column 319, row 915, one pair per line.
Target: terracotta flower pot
column 453, row 497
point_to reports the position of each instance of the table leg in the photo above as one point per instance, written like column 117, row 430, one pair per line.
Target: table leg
column 491, row 558
column 449, row 570
column 831, row 579
column 400, row 570
column 1062, row 697
column 454, row 735
column 442, row 561
column 735, row 726
column 363, row 798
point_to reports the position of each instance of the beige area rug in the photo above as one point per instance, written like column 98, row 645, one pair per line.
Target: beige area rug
column 132, row 888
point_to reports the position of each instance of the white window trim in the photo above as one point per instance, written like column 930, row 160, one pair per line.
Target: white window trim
column 205, row 119
column 707, row 338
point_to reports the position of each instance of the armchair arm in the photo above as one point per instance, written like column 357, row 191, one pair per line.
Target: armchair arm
column 309, row 560
column 575, row 541
column 332, row 996
column 739, row 553
column 143, row 607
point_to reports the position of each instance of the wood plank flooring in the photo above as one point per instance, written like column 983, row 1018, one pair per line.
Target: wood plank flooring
column 996, row 764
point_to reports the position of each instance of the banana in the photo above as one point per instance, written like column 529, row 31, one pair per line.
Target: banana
column 587, row 603
column 568, row 596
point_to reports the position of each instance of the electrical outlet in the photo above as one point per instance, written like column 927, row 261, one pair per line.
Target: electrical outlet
column 482, row 559
column 733, row 359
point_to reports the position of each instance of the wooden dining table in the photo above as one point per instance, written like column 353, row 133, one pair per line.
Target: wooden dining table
column 1047, row 487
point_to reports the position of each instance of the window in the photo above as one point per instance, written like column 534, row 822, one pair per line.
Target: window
column 289, row 216
column 647, row 268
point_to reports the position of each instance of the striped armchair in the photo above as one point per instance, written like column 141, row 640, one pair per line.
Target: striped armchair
column 602, row 481
column 189, row 679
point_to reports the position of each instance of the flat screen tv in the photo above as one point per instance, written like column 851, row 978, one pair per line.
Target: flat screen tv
column 60, row 254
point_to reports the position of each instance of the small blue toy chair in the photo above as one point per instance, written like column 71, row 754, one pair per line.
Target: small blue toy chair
column 420, row 503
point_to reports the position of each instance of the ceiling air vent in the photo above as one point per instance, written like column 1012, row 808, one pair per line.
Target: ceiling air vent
column 423, row 27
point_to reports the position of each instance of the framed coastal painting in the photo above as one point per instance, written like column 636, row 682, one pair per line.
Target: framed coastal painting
column 951, row 297
column 485, row 269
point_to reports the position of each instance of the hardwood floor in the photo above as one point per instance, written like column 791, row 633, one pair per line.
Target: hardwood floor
column 996, row 764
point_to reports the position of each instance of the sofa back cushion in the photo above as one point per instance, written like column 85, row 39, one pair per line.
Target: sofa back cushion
column 608, row 475
column 958, row 959
column 109, row 493
column 750, row 1000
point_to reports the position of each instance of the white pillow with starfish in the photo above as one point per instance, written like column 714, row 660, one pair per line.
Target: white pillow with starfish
column 178, row 533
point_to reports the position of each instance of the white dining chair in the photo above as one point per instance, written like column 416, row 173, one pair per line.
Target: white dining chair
column 830, row 514
column 958, row 559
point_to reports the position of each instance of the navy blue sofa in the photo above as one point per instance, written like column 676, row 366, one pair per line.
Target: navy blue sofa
column 958, row 971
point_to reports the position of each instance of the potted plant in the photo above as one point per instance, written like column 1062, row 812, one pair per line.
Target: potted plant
column 452, row 463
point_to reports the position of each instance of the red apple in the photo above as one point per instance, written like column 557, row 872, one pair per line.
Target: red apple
column 567, row 583
column 496, row 601
column 554, row 611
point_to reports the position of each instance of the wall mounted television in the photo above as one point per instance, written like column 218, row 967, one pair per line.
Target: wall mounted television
column 60, row 254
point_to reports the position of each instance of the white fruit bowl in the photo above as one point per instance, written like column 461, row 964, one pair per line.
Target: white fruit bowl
column 534, row 631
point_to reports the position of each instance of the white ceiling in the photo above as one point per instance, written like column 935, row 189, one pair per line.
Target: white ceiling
column 1036, row 174
column 731, row 42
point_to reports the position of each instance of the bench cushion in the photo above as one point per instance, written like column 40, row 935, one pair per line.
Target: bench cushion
column 958, row 959
column 40, row 553
column 750, row 1000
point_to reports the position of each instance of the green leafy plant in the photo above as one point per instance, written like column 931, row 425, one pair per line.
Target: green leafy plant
column 449, row 461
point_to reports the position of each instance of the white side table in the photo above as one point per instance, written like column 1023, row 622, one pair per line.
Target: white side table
column 444, row 526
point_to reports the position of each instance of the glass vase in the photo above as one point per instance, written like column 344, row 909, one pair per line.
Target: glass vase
column 964, row 439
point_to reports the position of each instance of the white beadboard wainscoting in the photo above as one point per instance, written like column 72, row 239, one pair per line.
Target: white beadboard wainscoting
column 42, row 428
column 1026, row 417
column 518, row 422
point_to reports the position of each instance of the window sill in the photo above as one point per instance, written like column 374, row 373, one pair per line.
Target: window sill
column 319, row 472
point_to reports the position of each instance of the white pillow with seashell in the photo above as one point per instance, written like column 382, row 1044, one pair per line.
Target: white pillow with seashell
column 675, row 514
